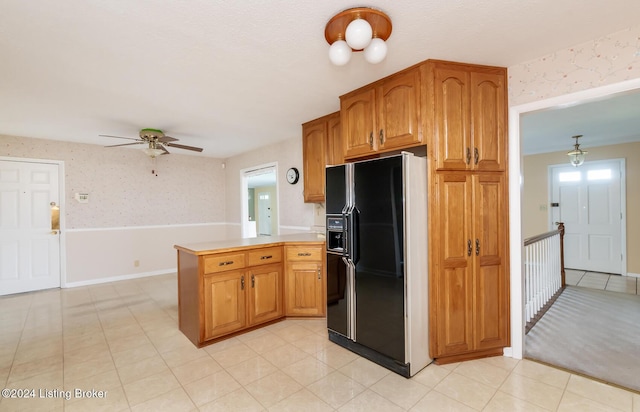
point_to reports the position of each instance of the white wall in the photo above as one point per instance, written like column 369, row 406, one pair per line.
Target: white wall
column 294, row 215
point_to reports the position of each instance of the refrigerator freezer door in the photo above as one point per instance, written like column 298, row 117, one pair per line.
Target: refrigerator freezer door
column 338, row 299
column 336, row 190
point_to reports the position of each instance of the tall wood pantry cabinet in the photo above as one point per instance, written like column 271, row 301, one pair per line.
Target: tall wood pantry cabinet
column 468, row 211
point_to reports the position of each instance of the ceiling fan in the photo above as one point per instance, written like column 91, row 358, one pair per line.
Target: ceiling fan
column 156, row 141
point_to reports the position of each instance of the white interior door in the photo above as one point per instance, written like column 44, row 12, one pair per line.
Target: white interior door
column 264, row 213
column 29, row 226
column 588, row 200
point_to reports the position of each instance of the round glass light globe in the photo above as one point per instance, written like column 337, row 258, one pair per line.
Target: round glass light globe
column 376, row 51
column 339, row 53
column 358, row 34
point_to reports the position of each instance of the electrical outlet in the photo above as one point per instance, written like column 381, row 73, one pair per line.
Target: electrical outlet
column 136, row 263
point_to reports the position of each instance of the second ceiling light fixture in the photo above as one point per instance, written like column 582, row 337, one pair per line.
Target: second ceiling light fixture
column 358, row 29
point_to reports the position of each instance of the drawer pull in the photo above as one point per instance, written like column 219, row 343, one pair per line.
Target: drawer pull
column 228, row 262
column 304, row 254
column 266, row 257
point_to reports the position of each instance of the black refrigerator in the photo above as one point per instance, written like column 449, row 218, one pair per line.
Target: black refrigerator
column 377, row 279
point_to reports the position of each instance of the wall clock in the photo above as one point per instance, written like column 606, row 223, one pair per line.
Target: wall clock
column 293, row 175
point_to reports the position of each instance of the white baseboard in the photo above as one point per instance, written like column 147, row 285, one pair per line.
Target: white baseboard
column 633, row 275
column 508, row 352
column 117, row 278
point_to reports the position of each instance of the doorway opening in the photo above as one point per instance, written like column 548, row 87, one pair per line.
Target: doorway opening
column 516, row 192
column 259, row 200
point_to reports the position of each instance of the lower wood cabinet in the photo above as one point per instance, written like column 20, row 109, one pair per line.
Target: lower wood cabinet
column 225, row 308
column 305, row 287
column 265, row 294
column 224, row 293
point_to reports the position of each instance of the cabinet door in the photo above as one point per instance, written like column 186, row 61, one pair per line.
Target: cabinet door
column 488, row 120
column 357, row 117
column 398, row 104
column 304, row 289
column 491, row 307
column 335, row 151
column 452, row 122
column 265, row 293
column 314, row 139
column 224, row 303
column 453, row 295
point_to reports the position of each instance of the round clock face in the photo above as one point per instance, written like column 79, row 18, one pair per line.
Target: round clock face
column 292, row 175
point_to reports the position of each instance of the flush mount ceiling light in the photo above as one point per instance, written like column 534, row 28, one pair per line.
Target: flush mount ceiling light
column 358, row 29
column 577, row 155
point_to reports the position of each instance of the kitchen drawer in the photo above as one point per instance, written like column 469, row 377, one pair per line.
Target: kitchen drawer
column 265, row 255
column 305, row 253
column 223, row 262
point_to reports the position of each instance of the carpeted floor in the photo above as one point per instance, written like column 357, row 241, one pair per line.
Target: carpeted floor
column 593, row 332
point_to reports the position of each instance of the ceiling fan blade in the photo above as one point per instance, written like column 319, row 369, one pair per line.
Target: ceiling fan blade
column 159, row 146
column 181, row 146
column 125, row 144
column 117, row 137
column 166, row 139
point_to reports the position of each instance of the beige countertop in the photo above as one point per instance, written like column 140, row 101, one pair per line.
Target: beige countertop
column 204, row 248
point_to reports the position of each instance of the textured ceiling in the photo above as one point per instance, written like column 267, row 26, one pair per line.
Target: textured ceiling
column 232, row 76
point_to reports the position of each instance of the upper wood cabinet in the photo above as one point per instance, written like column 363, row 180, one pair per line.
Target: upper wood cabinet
column 321, row 146
column 382, row 116
column 469, row 109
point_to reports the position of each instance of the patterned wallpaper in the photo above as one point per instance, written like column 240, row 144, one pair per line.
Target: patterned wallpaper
column 123, row 191
column 607, row 60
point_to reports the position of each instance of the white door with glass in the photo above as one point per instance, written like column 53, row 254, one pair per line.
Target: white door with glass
column 264, row 214
column 29, row 226
column 589, row 201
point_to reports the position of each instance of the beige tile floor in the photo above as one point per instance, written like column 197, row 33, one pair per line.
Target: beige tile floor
column 602, row 281
column 122, row 339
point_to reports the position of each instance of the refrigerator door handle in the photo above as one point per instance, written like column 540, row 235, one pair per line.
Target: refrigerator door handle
column 351, row 299
column 354, row 235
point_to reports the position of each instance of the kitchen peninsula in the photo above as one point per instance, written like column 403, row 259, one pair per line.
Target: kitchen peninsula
column 233, row 286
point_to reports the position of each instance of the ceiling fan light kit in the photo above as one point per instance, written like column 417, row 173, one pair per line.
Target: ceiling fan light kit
column 577, row 155
column 358, row 29
column 156, row 141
